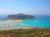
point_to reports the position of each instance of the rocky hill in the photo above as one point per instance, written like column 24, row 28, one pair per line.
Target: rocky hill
column 20, row 16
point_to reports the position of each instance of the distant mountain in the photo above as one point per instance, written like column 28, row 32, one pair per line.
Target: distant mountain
column 20, row 16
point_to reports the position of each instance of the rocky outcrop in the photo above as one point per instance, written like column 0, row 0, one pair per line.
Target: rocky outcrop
column 20, row 16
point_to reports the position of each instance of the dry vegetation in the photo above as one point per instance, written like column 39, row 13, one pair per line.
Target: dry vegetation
column 26, row 33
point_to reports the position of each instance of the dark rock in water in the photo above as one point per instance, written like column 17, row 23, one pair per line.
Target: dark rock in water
column 20, row 16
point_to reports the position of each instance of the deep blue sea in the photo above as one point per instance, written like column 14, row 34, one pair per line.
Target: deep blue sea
column 41, row 21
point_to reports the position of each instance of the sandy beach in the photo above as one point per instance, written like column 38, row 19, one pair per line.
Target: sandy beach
column 11, row 24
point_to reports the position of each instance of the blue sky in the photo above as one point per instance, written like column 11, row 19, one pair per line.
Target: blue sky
column 35, row 7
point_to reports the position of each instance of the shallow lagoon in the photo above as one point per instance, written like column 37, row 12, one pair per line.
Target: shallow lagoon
column 42, row 22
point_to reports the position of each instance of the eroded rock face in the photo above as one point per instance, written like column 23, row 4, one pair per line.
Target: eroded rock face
column 20, row 16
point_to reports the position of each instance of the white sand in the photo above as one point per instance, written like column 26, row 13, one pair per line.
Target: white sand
column 8, row 24
column 11, row 24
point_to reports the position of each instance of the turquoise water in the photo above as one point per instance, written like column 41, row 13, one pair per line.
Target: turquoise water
column 42, row 22
column 38, row 22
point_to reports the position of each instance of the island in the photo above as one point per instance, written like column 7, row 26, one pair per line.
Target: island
column 20, row 16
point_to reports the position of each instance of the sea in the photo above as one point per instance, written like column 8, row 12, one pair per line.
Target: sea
column 40, row 21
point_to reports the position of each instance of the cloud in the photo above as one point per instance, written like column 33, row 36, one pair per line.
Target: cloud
column 7, row 11
column 31, row 11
